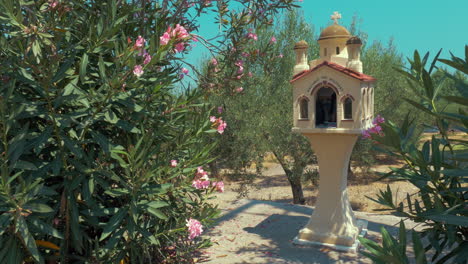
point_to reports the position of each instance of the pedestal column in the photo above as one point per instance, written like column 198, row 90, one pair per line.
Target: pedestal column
column 333, row 221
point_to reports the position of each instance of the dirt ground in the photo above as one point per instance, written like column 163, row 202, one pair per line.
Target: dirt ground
column 260, row 229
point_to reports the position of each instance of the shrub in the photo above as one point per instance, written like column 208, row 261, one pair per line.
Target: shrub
column 438, row 169
column 100, row 157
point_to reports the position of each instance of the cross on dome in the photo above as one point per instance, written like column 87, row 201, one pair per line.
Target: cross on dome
column 336, row 16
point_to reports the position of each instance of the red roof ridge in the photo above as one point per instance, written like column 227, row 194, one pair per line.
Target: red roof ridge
column 347, row 71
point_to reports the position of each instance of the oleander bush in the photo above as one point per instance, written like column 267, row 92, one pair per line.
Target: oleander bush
column 437, row 168
column 101, row 155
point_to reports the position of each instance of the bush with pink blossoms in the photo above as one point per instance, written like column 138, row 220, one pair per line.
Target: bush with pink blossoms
column 376, row 129
column 90, row 120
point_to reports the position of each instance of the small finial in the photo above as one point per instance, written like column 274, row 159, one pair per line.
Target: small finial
column 335, row 16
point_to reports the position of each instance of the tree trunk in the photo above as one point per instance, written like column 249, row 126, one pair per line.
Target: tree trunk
column 296, row 185
column 298, row 195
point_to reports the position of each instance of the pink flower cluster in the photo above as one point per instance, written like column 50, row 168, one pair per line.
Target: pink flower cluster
column 218, row 122
column 202, row 181
column 219, row 186
column 179, row 34
column 195, row 228
column 183, row 72
column 140, row 45
column 376, row 129
column 173, row 163
column 251, row 35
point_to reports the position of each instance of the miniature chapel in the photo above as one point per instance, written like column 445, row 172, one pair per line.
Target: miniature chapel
column 332, row 91
column 333, row 103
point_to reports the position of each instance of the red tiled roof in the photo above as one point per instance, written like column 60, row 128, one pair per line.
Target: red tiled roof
column 349, row 72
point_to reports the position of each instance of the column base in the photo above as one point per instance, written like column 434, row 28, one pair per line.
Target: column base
column 346, row 244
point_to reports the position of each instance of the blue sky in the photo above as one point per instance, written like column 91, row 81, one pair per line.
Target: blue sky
column 426, row 25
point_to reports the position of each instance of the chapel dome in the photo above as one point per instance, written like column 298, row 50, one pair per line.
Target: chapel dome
column 334, row 31
column 301, row 45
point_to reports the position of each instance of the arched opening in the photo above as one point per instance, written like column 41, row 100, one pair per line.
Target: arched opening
column 348, row 109
column 337, row 50
column 303, row 108
column 325, row 107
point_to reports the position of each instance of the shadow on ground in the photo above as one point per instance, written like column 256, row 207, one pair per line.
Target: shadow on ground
column 252, row 231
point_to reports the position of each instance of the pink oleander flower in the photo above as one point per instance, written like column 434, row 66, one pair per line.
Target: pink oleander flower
column 53, row 4
column 138, row 70
column 173, row 163
column 239, row 89
column 214, row 61
column 251, row 35
column 185, row 71
column 238, row 77
column 219, row 186
column 378, row 120
column 195, row 228
column 213, row 119
column 281, row 55
column 240, row 70
column 201, row 174
column 147, row 58
column 207, row 3
column 245, row 54
column 179, row 47
column 200, row 184
column 239, row 63
column 220, row 109
column 272, row 40
column 221, row 126
column 250, row 74
column 375, row 129
column 366, row 134
column 180, row 33
column 140, row 42
column 165, row 38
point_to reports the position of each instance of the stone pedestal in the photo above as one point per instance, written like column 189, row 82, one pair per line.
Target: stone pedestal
column 333, row 221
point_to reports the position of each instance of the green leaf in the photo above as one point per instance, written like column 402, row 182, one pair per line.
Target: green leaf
column 418, row 249
column 102, row 68
column 83, row 66
column 113, row 223
column 45, row 228
column 402, row 238
column 157, row 213
column 38, row 207
column 28, row 240
column 456, row 220
column 455, row 172
column 157, row 204
column 457, row 99
column 63, row 69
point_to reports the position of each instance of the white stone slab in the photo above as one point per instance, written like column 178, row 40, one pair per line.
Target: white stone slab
column 361, row 223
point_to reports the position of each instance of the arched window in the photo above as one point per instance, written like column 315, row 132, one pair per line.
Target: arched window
column 337, row 50
column 303, row 108
column 348, row 108
column 325, row 107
